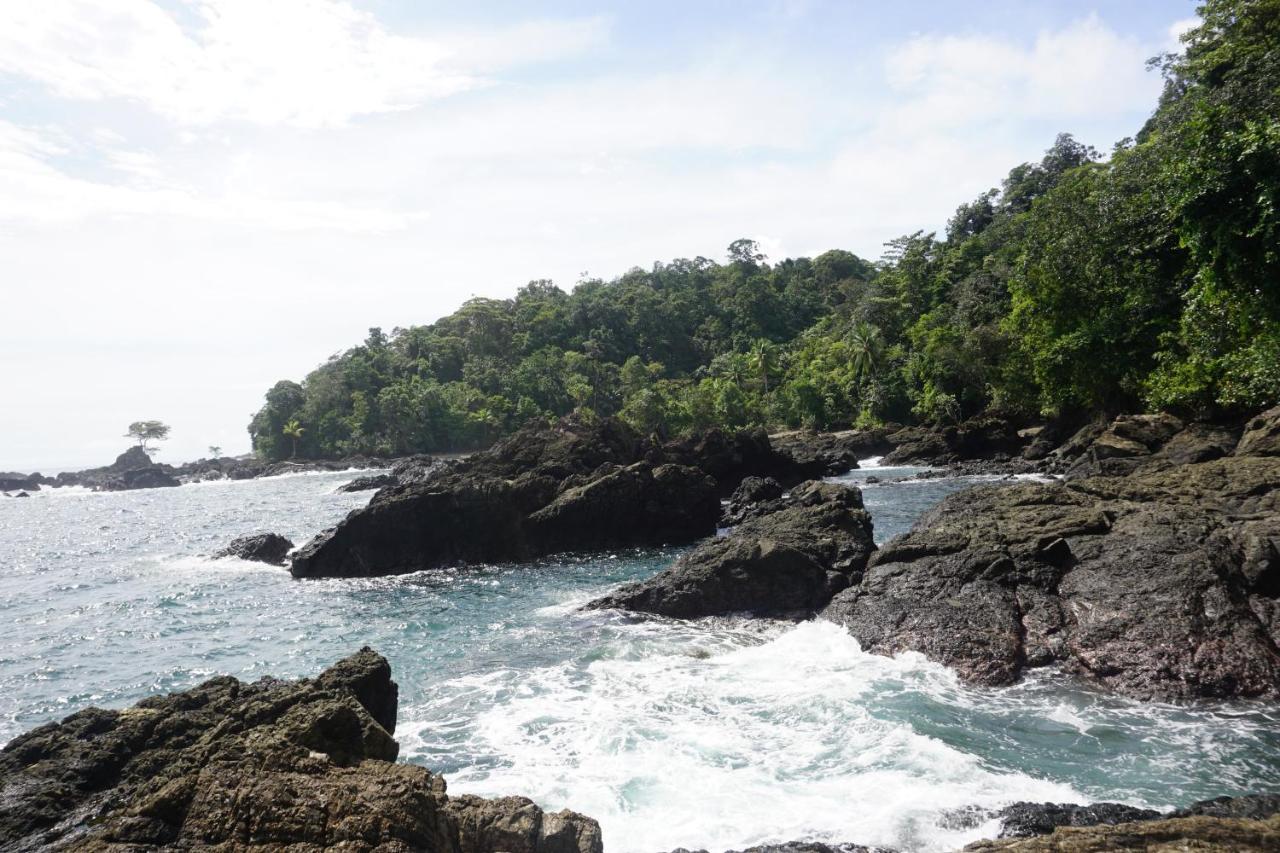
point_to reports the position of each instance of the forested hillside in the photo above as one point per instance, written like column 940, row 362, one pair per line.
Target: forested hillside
column 1148, row 279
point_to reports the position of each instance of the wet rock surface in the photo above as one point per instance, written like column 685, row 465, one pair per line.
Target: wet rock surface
column 572, row 486
column 271, row 765
column 789, row 559
column 1023, row 820
column 1167, row 835
column 260, row 547
column 1158, row 585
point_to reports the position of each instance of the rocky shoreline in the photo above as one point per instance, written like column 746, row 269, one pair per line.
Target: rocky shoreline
column 134, row 469
column 311, row 765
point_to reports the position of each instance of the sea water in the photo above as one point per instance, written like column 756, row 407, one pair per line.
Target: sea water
column 717, row 733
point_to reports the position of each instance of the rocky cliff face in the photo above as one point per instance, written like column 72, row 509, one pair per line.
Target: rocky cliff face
column 297, row 765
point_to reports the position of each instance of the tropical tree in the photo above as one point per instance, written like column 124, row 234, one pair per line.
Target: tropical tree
column 294, row 430
column 762, row 359
column 867, row 344
column 214, row 451
column 144, row 431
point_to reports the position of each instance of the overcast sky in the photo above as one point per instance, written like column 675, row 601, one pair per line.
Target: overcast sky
column 200, row 198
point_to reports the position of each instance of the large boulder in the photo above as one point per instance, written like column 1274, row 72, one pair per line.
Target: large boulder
column 1261, row 435
column 260, row 547
column 727, row 457
column 571, row 486
column 1159, row 585
column 788, row 561
column 271, row 765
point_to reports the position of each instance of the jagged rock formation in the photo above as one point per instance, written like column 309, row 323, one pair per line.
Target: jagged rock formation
column 261, row 547
column 788, row 559
column 299, row 765
column 1162, row 584
column 572, row 486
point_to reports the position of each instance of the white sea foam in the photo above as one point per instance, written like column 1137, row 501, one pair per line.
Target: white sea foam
column 765, row 742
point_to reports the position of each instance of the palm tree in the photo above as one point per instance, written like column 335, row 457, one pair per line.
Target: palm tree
column 215, row 451
column 294, row 430
column 868, row 346
column 762, row 360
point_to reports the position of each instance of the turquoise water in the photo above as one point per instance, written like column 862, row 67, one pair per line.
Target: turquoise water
column 717, row 734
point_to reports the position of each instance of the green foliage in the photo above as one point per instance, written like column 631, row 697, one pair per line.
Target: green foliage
column 144, row 431
column 1149, row 279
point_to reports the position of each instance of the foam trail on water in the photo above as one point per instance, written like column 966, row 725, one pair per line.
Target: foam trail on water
column 768, row 742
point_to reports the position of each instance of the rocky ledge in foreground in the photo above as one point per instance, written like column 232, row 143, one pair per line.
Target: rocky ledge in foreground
column 271, row 765
column 572, row 486
column 788, row 558
column 1163, row 584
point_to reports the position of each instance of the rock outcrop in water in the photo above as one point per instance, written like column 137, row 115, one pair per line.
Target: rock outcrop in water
column 271, row 765
column 132, row 469
column 1163, row 584
column 260, row 547
column 1167, row 835
column 788, row 559
column 573, row 486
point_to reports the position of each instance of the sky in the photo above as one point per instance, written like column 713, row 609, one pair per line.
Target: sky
column 200, row 198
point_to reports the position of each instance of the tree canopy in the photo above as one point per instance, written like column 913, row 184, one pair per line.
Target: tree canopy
column 1149, row 278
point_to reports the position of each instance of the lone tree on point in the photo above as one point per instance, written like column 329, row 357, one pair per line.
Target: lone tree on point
column 145, row 431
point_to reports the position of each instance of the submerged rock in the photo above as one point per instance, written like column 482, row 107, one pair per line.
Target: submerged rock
column 261, row 547
column 1159, row 585
column 788, row 561
column 270, row 765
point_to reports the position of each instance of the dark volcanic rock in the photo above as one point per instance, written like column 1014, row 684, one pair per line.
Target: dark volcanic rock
column 132, row 469
column 369, row 483
column 751, row 492
column 300, row 765
column 822, row 454
column 572, row 486
column 727, row 457
column 12, row 482
column 786, row 562
column 1023, row 820
column 1158, row 585
column 261, row 547
column 636, row 505
column 985, row 438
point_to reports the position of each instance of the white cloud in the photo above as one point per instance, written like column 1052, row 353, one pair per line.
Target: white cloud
column 1177, row 29
column 1085, row 70
column 309, row 63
